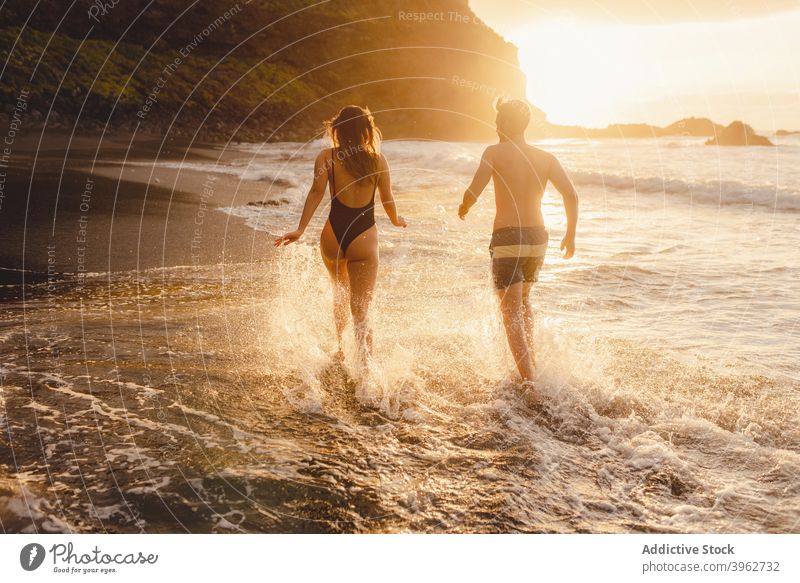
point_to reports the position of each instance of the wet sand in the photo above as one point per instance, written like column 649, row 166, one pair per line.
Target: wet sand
column 96, row 205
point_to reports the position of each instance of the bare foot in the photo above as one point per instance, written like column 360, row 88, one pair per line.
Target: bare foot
column 530, row 395
column 367, row 389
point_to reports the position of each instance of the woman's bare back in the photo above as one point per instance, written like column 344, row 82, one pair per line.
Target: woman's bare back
column 351, row 191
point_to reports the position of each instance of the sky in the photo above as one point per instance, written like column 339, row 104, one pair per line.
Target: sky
column 593, row 63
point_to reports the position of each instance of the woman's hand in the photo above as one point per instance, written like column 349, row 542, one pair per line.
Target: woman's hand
column 291, row 237
column 400, row 222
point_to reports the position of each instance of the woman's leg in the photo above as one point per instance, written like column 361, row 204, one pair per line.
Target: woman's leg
column 362, row 270
column 337, row 269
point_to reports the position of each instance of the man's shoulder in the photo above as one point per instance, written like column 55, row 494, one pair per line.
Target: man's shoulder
column 543, row 157
column 490, row 149
column 533, row 153
column 543, row 154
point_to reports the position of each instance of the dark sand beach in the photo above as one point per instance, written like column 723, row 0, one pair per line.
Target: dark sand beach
column 95, row 206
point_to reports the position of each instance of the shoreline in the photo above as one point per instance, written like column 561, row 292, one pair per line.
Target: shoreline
column 99, row 205
column 73, row 214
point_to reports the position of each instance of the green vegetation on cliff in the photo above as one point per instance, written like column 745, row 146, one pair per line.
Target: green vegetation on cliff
column 261, row 70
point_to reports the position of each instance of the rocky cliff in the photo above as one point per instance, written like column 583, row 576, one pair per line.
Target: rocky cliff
column 260, row 70
column 690, row 126
column 738, row 134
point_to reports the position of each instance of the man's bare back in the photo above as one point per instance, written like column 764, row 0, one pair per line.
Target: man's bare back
column 520, row 176
column 520, row 172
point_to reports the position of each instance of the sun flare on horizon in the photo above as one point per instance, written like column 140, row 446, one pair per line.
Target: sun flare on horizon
column 570, row 81
column 594, row 73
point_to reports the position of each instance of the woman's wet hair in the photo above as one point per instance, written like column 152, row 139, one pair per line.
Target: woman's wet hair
column 356, row 140
column 513, row 116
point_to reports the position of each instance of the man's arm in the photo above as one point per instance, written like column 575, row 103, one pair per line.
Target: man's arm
column 479, row 182
column 563, row 184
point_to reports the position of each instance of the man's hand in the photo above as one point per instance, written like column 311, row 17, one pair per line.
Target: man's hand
column 462, row 211
column 568, row 243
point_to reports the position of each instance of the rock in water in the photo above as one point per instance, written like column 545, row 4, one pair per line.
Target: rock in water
column 739, row 134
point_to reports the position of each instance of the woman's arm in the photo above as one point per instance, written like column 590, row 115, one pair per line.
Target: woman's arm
column 385, row 188
column 315, row 194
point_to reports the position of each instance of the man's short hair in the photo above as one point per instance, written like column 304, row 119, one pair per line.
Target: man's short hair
column 513, row 114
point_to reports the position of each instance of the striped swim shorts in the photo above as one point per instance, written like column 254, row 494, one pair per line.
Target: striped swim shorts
column 517, row 254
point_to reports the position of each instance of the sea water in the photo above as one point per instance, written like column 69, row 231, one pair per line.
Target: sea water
column 205, row 398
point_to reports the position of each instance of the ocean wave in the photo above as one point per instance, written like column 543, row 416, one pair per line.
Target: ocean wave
column 250, row 172
column 716, row 192
column 419, row 165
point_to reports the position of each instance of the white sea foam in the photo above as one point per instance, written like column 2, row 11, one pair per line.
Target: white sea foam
column 247, row 171
column 26, row 511
column 3, row 412
column 713, row 192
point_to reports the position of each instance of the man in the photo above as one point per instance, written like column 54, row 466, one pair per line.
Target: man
column 520, row 173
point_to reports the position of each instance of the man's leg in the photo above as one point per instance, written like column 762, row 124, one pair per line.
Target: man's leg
column 511, row 308
column 527, row 318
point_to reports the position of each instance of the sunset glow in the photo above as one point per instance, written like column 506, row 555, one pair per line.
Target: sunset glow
column 593, row 73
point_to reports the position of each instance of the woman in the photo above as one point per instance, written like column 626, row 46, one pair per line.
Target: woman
column 354, row 168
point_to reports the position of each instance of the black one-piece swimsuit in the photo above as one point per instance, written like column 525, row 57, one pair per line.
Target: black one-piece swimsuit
column 349, row 222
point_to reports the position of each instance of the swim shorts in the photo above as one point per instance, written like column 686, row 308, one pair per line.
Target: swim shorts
column 517, row 254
